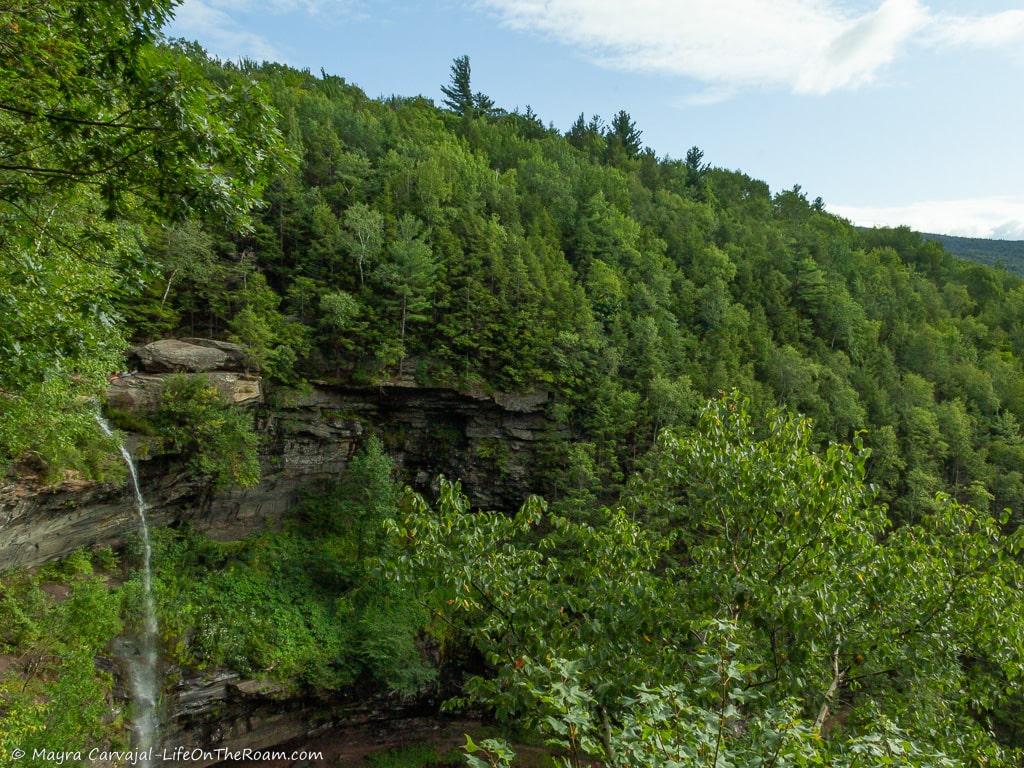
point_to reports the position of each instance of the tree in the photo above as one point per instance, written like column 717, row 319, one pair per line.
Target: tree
column 484, row 105
column 587, row 136
column 88, row 101
column 102, row 129
column 695, row 161
column 696, row 168
column 623, row 133
column 459, row 92
column 410, row 275
column 577, row 131
column 182, row 251
column 761, row 604
column 218, row 439
column 365, row 234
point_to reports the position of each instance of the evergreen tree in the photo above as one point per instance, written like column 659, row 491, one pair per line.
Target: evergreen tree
column 459, row 93
column 588, row 136
column 624, row 133
column 484, row 105
column 694, row 160
column 577, row 132
column 410, row 274
column 696, row 168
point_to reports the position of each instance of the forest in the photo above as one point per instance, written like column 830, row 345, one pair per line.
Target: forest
column 1008, row 254
column 799, row 442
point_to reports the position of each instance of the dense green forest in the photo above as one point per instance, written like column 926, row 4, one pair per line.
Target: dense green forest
column 837, row 588
column 477, row 248
column 1008, row 254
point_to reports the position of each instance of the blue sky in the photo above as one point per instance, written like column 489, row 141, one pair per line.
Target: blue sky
column 894, row 111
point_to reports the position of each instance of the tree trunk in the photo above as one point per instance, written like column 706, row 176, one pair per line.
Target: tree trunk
column 837, row 680
column 401, row 338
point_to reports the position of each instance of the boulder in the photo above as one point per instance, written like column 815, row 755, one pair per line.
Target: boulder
column 237, row 388
column 138, row 392
column 238, row 359
column 174, row 355
column 527, row 402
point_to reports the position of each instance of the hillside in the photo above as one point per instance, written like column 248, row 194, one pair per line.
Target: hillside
column 480, row 249
column 1002, row 253
column 754, row 477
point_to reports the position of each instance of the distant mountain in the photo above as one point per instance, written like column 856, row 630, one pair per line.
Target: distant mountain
column 1006, row 253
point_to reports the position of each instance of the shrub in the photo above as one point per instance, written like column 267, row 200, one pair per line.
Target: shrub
column 218, row 439
column 306, row 605
column 56, row 696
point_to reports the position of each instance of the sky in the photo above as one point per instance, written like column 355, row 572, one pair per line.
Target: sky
column 893, row 111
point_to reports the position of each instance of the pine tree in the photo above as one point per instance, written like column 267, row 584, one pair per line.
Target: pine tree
column 695, row 167
column 459, row 94
column 410, row 273
column 587, row 136
column 577, row 132
column 484, row 105
column 694, row 160
column 624, row 132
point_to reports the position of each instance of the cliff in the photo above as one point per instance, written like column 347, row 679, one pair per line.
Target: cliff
column 490, row 442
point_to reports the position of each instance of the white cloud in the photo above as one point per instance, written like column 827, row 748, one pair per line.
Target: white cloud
column 998, row 29
column 215, row 23
column 1001, row 218
column 221, row 34
column 807, row 46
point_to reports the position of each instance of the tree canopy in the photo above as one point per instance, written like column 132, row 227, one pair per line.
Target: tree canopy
column 103, row 129
column 630, row 287
column 762, row 609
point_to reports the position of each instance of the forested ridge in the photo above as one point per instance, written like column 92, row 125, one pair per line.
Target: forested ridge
column 472, row 247
column 1008, row 254
column 798, row 442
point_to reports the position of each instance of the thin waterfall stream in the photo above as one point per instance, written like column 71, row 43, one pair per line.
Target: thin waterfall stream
column 143, row 675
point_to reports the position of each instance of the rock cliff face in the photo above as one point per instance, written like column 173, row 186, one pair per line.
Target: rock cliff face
column 489, row 442
column 222, row 711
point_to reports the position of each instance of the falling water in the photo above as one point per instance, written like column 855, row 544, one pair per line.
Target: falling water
column 142, row 664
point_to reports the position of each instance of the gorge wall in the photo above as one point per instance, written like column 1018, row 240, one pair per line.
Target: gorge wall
column 490, row 442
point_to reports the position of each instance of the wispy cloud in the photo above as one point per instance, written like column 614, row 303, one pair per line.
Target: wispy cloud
column 221, row 33
column 1001, row 218
column 994, row 30
column 217, row 23
column 807, row 46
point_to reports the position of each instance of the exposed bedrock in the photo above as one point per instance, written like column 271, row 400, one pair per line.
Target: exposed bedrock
column 221, row 711
column 490, row 442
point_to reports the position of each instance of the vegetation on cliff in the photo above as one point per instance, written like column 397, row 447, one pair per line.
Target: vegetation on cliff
column 305, row 606
column 53, row 625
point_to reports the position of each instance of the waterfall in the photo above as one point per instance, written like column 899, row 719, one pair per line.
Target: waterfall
column 143, row 675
